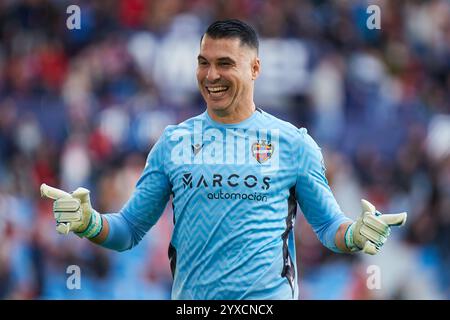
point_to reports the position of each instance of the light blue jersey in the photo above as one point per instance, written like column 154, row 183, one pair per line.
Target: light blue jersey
column 235, row 190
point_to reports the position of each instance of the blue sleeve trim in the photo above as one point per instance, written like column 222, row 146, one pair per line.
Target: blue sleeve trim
column 328, row 236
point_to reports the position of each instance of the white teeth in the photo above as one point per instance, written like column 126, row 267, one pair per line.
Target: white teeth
column 217, row 89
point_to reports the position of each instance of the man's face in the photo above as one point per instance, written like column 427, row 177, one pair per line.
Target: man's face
column 225, row 73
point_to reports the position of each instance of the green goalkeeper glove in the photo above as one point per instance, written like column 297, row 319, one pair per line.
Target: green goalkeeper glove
column 372, row 229
column 73, row 212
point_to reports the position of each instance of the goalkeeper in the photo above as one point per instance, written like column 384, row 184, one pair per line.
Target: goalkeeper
column 236, row 175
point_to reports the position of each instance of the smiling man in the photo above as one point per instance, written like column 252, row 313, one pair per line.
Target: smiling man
column 236, row 174
column 227, row 68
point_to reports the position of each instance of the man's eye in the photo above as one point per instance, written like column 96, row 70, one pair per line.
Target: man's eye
column 225, row 64
column 202, row 63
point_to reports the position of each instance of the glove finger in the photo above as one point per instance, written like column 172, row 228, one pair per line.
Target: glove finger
column 370, row 248
column 63, row 228
column 66, row 204
column 372, row 235
column 367, row 206
column 375, row 223
column 67, row 209
column 52, row 193
column 397, row 219
column 82, row 194
column 63, row 216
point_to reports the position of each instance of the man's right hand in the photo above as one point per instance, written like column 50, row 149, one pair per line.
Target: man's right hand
column 73, row 212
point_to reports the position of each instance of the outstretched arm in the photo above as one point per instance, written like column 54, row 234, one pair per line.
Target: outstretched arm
column 337, row 232
column 117, row 231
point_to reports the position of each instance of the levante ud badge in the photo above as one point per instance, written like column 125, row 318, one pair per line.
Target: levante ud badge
column 262, row 150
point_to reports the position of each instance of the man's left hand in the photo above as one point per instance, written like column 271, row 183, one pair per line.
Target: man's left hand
column 372, row 229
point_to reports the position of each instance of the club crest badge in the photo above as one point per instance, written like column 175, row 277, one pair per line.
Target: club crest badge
column 262, row 151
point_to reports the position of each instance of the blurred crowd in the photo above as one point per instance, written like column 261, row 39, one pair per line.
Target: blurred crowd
column 83, row 107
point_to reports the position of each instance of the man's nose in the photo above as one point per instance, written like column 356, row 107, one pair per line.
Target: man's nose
column 212, row 74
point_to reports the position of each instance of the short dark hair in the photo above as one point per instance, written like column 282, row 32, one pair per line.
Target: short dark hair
column 233, row 28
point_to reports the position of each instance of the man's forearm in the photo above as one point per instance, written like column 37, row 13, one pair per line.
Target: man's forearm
column 340, row 237
column 101, row 237
column 117, row 233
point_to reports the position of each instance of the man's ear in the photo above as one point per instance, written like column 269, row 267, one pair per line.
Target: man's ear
column 256, row 68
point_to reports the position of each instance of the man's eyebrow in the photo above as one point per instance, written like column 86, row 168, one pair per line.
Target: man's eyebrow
column 223, row 59
column 226, row 59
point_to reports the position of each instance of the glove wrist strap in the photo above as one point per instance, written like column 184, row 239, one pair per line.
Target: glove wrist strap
column 349, row 243
column 94, row 228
